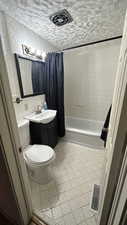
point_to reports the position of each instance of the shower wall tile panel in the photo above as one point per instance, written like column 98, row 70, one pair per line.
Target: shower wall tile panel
column 89, row 79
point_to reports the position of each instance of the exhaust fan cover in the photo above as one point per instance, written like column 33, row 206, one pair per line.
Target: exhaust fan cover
column 61, row 17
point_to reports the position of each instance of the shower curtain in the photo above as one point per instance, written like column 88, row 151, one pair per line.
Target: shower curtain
column 54, row 88
column 104, row 132
column 38, row 77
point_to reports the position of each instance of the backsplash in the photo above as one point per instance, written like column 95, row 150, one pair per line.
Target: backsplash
column 28, row 105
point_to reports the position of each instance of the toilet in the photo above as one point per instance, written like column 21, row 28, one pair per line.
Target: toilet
column 38, row 158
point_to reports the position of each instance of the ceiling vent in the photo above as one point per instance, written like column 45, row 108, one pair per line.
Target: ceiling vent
column 61, row 17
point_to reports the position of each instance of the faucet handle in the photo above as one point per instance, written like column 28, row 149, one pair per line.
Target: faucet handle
column 38, row 109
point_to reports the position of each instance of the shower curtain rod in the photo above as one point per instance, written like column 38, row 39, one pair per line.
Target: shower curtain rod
column 90, row 43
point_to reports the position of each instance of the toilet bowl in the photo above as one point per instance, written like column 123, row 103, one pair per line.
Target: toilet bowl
column 38, row 159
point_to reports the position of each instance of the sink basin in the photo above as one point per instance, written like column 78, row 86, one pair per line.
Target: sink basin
column 46, row 116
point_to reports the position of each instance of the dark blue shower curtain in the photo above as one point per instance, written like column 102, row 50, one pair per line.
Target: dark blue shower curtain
column 38, row 77
column 55, row 88
column 104, row 132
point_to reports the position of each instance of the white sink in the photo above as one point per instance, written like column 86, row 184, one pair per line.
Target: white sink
column 46, row 116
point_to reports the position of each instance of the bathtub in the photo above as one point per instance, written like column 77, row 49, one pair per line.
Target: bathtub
column 82, row 131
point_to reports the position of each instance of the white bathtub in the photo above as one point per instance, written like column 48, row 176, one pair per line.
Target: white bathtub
column 82, row 131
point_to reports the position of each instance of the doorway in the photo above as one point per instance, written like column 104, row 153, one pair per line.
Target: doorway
column 68, row 159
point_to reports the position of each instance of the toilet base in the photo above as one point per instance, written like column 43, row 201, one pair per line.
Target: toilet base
column 41, row 175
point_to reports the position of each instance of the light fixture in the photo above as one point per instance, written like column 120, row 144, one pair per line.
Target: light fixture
column 44, row 55
column 38, row 52
column 30, row 51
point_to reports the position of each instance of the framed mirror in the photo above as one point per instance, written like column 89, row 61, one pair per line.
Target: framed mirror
column 31, row 76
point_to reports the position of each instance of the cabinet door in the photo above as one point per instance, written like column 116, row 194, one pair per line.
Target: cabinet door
column 45, row 134
column 35, row 133
column 52, row 134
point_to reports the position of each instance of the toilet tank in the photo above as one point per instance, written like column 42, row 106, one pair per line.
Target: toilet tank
column 24, row 133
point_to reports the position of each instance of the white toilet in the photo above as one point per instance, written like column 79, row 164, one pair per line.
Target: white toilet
column 38, row 157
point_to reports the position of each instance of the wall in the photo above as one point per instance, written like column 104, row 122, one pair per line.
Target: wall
column 14, row 35
column 89, row 79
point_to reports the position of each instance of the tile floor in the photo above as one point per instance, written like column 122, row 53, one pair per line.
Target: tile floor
column 66, row 199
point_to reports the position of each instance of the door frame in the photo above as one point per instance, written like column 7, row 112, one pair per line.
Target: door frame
column 11, row 145
column 117, row 138
column 120, row 198
column 18, row 168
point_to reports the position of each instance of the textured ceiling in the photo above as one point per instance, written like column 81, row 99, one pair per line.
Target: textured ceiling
column 93, row 19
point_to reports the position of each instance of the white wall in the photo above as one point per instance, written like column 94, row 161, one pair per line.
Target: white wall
column 89, row 79
column 14, row 35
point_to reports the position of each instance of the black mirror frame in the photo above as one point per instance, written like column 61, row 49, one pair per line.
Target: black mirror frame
column 19, row 76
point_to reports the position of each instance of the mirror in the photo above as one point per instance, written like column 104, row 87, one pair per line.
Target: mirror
column 31, row 76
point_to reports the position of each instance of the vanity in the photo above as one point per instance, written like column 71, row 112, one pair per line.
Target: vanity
column 43, row 128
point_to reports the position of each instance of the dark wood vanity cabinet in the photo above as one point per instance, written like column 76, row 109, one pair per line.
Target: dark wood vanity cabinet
column 45, row 134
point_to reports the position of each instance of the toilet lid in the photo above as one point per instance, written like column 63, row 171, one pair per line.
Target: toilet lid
column 38, row 154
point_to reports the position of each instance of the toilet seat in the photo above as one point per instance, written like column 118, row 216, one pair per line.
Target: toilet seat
column 38, row 155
